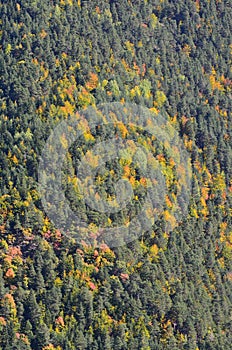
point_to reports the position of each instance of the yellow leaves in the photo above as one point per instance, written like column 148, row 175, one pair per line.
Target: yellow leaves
column 58, row 282
column 3, row 107
column 222, row 112
column 145, row 88
column 125, row 65
column 21, row 62
column 8, row 49
column 105, row 320
column 204, row 192
column 130, row 47
column 226, row 238
column 219, row 182
column 2, row 321
column 168, row 201
column 135, row 91
column 182, row 337
column 221, row 262
column 67, row 109
column 154, row 20
column 114, row 88
column 188, row 143
column 51, row 347
column 15, row 159
column 154, row 250
column 46, row 225
column 186, row 49
column 45, row 73
column 123, row 130
column 104, row 83
column 215, row 84
column 155, row 110
column 88, row 136
column 66, row 2
column 64, row 55
column 193, row 212
column 223, row 227
column 160, row 98
column 85, row 98
column 169, row 218
column 132, row 181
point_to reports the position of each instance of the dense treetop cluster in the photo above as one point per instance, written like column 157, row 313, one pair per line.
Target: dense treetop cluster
column 167, row 289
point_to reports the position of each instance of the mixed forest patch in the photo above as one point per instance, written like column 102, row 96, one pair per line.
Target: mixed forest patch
column 168, row 289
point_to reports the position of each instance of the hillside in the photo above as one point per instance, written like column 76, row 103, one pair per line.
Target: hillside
column 148, row 84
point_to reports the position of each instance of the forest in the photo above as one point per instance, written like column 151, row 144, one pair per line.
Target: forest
column 169, row 285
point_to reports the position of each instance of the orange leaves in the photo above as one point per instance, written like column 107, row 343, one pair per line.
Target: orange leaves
column 197, row 3
column 168, row 202
column 93, row 82
column 215, row 82
column 126, row 170
column 10, row 273
column 143, row 182
column 98, row 11
column 68, row 108
column 169, row 218
column 14, row 254
column 123, row 130
column 160, row 98
column 49, row 347
column 132, row 181
column 124, row 276
column 43, row 34
column 204, row 192
column 2, row 321
column 92, row 285
column 9, row 299
column 60, row 321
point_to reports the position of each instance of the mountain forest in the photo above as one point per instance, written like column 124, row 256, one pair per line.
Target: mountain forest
column 170, row 286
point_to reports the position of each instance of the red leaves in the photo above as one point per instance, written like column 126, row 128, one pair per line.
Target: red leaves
column 92, row 285
column 124, row 276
